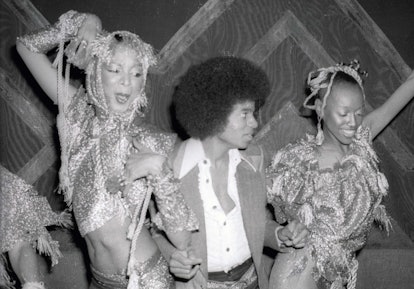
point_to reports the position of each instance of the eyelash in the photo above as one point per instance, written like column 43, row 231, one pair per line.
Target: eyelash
column 358, row 114
column 115, row 70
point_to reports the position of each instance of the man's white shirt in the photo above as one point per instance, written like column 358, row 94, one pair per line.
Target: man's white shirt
column 227, row 245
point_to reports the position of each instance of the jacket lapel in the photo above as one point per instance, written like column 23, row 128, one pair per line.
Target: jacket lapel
column 191, row 193
column 252, row 201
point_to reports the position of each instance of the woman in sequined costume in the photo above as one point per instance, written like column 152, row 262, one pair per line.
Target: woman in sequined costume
column 24, row 216
column 331, row 182
column 109, row 196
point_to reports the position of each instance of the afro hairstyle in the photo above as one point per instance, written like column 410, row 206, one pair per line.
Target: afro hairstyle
column 207, row 93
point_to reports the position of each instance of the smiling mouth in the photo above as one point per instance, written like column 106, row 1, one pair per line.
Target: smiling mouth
column 122, row 97
column 349, row 132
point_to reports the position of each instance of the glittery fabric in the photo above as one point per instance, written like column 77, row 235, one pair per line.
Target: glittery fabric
column 153, row 274
column 174, row 214
column 45, row 39
column 96, row 142
column 107, row 281
column 98, row 150
column 338, row 205
column 24, row 216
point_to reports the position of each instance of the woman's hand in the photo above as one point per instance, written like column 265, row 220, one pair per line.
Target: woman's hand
column 78, row 52
column 90, row 28
column 143, row 164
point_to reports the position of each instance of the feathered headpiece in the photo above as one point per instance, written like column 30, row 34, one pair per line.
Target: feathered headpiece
column 324, row 77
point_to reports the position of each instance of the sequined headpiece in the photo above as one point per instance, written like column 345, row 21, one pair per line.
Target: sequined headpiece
column 101, row 52
column 324, row 77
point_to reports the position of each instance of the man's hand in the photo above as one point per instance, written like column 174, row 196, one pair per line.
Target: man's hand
column 294, row 234
column 184, row 265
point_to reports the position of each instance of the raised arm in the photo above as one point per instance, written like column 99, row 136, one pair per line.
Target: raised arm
column 42, row 70
column 33, row 47
column 379, row 118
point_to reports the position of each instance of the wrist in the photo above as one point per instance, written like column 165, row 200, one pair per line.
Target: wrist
column 70, row 22
column 66, row 28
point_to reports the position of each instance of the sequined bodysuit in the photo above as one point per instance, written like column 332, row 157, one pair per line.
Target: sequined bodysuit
column 338, row 205
column 97, row 150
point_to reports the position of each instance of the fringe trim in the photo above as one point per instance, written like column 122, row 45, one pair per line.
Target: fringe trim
column 65, row 191
column 305, row 212
column 48, row 247
column 382, row 219
column 65, row 219
column 382, row 184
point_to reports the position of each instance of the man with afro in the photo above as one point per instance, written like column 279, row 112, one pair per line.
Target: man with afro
column 222, row 178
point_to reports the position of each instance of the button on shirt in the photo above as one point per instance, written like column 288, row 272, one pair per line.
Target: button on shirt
column 227, row 245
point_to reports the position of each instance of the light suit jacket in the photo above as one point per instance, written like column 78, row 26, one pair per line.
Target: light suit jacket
column 252, row 194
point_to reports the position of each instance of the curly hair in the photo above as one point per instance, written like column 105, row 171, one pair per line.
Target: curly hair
column 207, row 93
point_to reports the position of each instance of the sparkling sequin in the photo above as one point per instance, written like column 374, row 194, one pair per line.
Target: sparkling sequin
column 24, row 216
column 154, row 274
column 338, row 205
column 150, row 274
column 43, row 40
column 98, row 152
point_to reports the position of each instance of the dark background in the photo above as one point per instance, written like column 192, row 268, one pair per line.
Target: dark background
column 148, row 18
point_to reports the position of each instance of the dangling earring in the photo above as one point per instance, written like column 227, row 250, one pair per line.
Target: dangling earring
column 319, row 135
column 141, row 103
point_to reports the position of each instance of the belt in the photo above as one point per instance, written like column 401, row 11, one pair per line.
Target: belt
column 232, row 275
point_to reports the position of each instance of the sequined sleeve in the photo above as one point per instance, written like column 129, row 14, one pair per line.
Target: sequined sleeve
column 287, row 178
column 174, row 214
column 71, row 121
column 46, row 38
column 154, row 139
column 275, row 179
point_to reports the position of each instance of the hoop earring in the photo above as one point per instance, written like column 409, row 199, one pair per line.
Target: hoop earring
column 319, row 135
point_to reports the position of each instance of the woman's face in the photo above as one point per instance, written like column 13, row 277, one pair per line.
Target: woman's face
column 343, row 113
column 122, row 79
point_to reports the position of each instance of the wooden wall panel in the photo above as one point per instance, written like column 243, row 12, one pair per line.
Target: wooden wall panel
column 400, row 201
column 18, row 142
column 27, row 117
